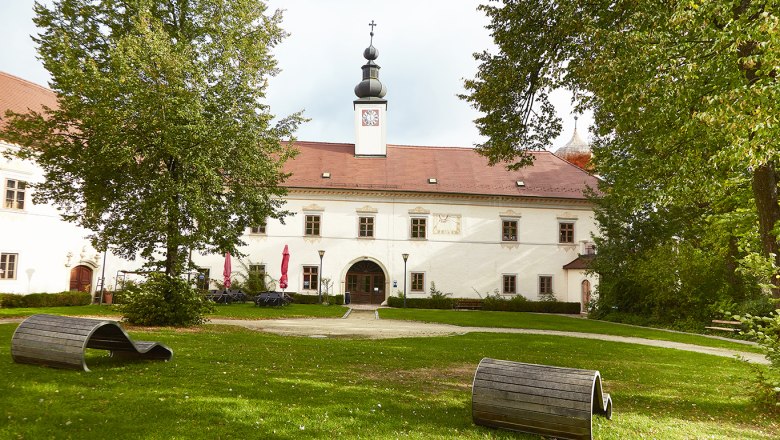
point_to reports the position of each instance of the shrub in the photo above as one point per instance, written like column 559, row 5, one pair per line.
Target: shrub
column 300, row 298
column 766, row 331
column 163, row 300
column 61, row 299
column 421, row 303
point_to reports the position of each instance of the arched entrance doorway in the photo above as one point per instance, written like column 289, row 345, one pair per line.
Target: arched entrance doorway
column 81, row 278
column 585, row 296
column 365, row 283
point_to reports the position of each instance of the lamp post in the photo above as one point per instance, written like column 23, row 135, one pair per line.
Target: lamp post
column 405, row 257
column 319, row 277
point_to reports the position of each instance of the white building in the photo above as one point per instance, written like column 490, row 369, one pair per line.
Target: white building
column 470, row 228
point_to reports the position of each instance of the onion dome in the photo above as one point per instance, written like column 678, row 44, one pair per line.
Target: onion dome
column 370, row 87
column 576, row 145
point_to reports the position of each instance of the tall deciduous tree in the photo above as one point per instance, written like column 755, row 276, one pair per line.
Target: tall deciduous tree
column 161, row 142
column 685, row 97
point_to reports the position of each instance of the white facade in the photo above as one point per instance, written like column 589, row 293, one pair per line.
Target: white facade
column 464, row 252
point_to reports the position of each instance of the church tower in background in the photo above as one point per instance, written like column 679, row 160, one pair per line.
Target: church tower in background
column 576, row 151
column 370, row 107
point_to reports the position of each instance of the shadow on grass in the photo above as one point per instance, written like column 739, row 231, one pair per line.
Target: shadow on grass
column 228, row 383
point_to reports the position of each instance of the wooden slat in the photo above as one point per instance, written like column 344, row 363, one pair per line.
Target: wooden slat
column 59, row 341
column 724, row 329
column 718, row 321
column 547, row 400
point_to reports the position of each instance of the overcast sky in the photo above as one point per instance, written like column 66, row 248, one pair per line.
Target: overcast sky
column 425, row 52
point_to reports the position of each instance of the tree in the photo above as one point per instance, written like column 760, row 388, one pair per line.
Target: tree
column 685, row 98
column 160, row 143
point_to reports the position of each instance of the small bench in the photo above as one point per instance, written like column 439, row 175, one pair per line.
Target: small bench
column 540, row 399
column 468, row 304
column 734, row 326
column 60, row 342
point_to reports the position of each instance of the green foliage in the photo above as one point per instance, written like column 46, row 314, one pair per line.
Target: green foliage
column 163, row 300
column 299, row 298
column 766, row 331
column 160, row 143
column 422, row 303
column 10, row 300
column 685, row 140
column 519, row 303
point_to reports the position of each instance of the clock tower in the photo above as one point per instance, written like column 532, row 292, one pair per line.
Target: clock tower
column 370, row 107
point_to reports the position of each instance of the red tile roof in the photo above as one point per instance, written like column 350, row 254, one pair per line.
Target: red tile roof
column 21, row 95
column 457, row 171
column 404, row 169
column 582, row 262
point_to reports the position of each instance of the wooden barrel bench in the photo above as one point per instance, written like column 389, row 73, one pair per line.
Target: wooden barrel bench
column 60, row 341
column 541, row 399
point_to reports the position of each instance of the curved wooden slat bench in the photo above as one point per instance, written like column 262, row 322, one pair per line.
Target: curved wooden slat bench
column 60, row 341
column 541, row 399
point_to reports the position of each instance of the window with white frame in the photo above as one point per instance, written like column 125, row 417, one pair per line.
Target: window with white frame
column 566, row 232
column 545, row 285
column 366, row 227
column 8, row 264
column 509, row 230
column 418, row 281
column 419, row 226
column 312, row 228
column 310, row 277
column 510, row 284
column 257, row 268
column 14, row 193
column 257, row 230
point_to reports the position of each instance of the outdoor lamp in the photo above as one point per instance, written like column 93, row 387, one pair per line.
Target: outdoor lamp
column 405, row 257
column 319, row 277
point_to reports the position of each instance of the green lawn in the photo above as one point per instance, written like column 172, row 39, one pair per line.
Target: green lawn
column 232, row 383
column 555, row 322
column 238, row 311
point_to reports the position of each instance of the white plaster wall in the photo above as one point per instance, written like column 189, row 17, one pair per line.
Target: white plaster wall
column 461, row 263
column 371, row 140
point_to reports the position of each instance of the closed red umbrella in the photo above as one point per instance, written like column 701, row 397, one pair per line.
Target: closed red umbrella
column 285, row 263
column 228, row 270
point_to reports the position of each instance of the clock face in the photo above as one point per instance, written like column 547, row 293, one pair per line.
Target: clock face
column 370, row 118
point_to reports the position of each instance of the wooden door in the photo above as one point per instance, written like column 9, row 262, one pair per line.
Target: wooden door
column 81, row 279
column 366, row 283
column 585, row 296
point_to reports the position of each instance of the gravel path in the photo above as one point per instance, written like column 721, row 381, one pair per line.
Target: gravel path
column 365, row 324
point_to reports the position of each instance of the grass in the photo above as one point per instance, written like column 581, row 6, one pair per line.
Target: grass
column 228, row 383
column 235, row 311
column 542, row 321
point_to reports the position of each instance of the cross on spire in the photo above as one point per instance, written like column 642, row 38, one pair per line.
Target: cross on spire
column 372, row 24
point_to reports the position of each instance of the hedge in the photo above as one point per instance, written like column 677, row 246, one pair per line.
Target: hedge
column 12, row 300
column 300, row 298
column 517, row 304
column 422, row 303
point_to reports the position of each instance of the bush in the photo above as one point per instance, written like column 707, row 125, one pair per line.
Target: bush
column 422, row 303
column 766, row 331
column 163, row 300
column 10, row 300
column 300, row 298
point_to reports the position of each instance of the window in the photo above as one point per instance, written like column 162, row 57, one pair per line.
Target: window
column 418, row 228
column 509, row 230
column 510, row 284
column 352, row 283
column 312, row 225
column 418, row 282
column 14, row 193
column 204, row 275
column 366, row 227
column 310, row 276
column 545, row 285
column 257, row 229
column 257, row 268
column 566, row 232
column 8, row 266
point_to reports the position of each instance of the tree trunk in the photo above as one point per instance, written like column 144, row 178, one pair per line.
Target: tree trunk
column 765, row 179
